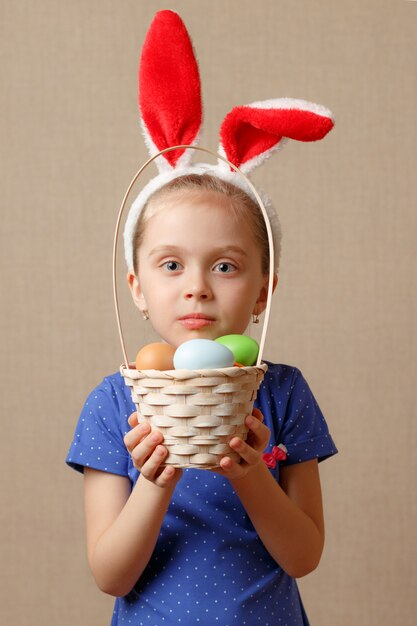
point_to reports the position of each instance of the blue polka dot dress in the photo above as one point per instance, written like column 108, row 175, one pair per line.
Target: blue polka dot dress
column 209, row 566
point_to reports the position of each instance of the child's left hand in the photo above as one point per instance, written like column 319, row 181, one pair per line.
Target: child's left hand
column 250, row 451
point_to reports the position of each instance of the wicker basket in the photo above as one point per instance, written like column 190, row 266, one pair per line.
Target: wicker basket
column 197, row 411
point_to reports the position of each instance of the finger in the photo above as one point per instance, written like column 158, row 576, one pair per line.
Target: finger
column 141, row 453
column 135, row 436
column 226, row 464
column 258, row 414
column 249, row 454
column 166, row 476
column 231, row 469
column 132, row 420
column 259, row 433
column 153, row 464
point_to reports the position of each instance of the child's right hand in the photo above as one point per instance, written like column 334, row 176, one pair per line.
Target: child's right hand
column 144, row 446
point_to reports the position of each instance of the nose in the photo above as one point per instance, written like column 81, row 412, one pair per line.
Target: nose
column 197, row 288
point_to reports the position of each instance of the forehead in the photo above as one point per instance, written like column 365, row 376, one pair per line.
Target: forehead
column 201, row 227
column 170, row 198
column 197, row 211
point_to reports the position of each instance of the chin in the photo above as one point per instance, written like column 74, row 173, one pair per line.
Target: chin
column 201, row 334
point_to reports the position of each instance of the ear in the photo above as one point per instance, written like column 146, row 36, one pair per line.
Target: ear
column 137, row 294
column 250, row 134
column 262, row 300
column 169, row 90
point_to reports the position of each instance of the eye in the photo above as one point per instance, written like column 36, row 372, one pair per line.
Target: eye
column 172, row 266
column 224, row 268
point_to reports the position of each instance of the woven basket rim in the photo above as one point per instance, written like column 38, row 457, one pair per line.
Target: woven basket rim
column 182, row 374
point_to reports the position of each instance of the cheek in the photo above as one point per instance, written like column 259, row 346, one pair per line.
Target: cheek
column 239, row 305
column 160, row 295
column 147, row 281
column 254, row 290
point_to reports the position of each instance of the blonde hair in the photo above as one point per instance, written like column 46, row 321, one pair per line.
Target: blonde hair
column 241, row 204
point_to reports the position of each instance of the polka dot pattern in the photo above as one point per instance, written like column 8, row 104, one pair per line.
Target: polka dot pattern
column 209, row 566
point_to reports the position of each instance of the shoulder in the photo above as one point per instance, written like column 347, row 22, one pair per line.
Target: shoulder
column 112, row 388
column 275, row 390
column 111, row 401
column 112, row 382
column 285, row 387
column 281, row 378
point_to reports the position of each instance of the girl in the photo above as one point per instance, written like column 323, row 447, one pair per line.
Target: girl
column 194, row 546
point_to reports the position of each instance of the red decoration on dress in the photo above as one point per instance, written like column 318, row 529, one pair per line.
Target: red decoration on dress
column 269, row 460
column 278, row 453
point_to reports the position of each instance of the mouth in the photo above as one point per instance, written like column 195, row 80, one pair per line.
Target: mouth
column 194, row 321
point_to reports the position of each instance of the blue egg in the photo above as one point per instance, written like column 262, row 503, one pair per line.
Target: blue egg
column 202, row 354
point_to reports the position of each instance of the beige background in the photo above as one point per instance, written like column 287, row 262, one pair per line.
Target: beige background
column 345, row 308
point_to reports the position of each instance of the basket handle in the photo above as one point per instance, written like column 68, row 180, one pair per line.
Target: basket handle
column 267, row 224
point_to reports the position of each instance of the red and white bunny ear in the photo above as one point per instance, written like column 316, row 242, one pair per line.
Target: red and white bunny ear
column 250, row 134
column 169, row 89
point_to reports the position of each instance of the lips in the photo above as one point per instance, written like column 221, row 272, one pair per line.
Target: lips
column 194, row 321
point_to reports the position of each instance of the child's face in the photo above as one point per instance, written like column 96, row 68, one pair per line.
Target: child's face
column 199, row 269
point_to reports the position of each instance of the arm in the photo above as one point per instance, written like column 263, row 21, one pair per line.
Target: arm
column 288, row 517
column 123, row 526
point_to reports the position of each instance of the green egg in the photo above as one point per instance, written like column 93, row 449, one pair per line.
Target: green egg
column 245, row 349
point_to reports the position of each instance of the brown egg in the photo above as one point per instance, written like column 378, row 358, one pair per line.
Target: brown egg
column 155, row 356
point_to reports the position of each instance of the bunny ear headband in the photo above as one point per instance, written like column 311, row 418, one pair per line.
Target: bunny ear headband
column 171, row 109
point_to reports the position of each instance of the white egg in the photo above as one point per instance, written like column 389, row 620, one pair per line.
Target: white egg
column 202, row 354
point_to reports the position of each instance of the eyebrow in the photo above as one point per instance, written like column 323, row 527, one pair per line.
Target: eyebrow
column 220, row 250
